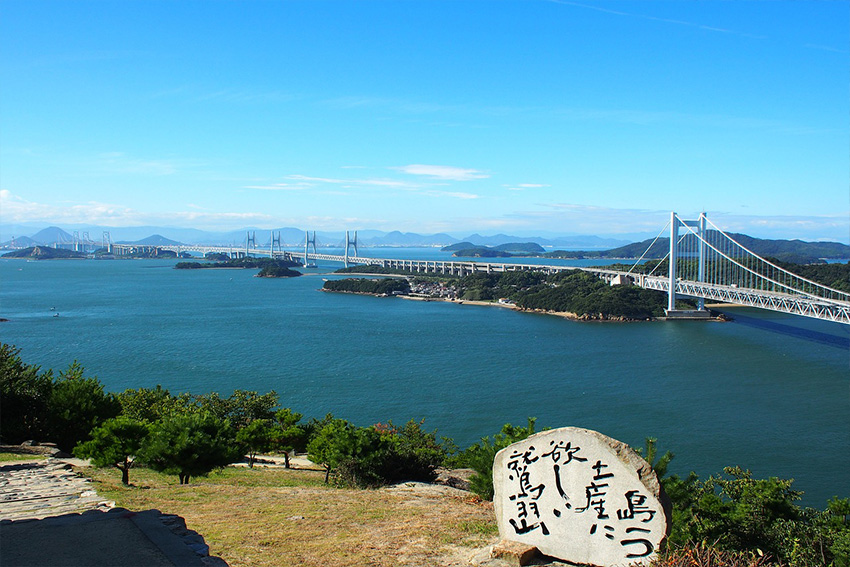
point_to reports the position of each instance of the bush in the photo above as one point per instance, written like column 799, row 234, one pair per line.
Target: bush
column 741, row 514
column 24, row 395
column 351, row 453
column 480, row 457
column 413, row 453
column 377, row 455
column 76, row 406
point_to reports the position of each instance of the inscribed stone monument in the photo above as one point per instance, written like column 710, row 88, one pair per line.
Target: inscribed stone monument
column 579, row 496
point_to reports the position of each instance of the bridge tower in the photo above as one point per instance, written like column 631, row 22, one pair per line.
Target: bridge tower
column 352, row 242
column 76, row 241
column 307, row 242
column 251, row 239
column 673, row 258
column 276, row 240
column 106, row 242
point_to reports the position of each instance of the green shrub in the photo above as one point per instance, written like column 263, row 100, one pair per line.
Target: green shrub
column 76, row 406
column 377, row 455
column 24, row 396
column 480, row 457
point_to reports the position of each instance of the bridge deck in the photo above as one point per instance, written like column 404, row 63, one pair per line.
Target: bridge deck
column 803, row 304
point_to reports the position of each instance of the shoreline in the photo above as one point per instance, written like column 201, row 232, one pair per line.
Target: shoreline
column 514, row 307
column 586, row 318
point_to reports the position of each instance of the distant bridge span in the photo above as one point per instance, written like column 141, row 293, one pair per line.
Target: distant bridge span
column 703, row 262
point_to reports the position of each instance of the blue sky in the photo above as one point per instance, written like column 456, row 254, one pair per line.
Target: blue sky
column 523, row 117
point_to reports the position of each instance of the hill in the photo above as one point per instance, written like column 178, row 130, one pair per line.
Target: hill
column 520, row 248
column 43, row 253
column 458, row 246
column 470, row 249
column 20, row 241
column 155, row 240
column 796, row 251
column 481, row 252
column 52, row 235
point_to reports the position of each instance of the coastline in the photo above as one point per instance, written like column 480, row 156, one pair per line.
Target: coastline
column 585, row 318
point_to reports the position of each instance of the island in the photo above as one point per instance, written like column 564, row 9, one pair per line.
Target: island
column 573, row 294
column 45, row 253
column 383, row 287
column 469, row 250
column 269, row 267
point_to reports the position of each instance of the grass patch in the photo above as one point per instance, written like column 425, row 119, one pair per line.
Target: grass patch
column 272, row 516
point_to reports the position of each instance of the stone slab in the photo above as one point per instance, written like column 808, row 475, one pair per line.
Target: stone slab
column 514, row 552
column 580, row 496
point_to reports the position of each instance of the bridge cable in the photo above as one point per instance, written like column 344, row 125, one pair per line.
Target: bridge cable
column 645, row 252
column 782, row 285
column 788, row 275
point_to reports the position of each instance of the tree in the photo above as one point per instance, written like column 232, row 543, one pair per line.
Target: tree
column 24, row 397
column 259, row 436
column 240, row 408
column 190, row 445
column 354, row 454
column 115, row 443
column 291, row 436
column 76, row 406
column 154, row 404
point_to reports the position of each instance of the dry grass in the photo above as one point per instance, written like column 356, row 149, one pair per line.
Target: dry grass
column 707, row 556
column 272, row 517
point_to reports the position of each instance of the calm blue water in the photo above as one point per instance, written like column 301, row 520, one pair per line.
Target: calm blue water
column 767, row 392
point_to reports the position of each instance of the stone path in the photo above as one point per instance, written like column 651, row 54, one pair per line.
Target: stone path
column 50, row 516
column 38, row 489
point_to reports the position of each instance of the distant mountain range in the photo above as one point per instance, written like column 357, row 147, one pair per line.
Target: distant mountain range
column 566, row 246
column 794, row 251
column 292, row 236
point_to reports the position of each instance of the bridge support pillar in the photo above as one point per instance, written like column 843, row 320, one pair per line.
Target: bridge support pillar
column 700, row 312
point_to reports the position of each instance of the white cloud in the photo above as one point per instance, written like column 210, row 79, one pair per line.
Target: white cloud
column 453, row 194
column 442, row 172
column 306, row 182
column 524, row 186
column 17, row 209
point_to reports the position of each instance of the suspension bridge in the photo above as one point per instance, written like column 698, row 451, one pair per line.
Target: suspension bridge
column 702, row 263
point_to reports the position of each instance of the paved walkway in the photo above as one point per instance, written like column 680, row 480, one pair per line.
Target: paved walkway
column 50, row 516
column 37, row 489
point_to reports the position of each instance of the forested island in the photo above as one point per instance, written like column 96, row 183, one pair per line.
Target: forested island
column 572, row 293
column 383, row 287
column 44, row 253
column 508, row 250
column 269, row 267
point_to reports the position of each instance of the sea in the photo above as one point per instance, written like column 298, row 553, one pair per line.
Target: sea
column 766, row 391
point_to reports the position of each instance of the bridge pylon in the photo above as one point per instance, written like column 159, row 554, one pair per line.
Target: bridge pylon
column 307, row 242
column 688, row 253
column 348, row 242
column 249, row 240
column 278, row 241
